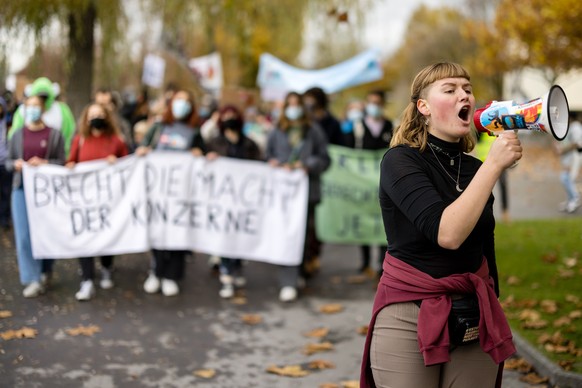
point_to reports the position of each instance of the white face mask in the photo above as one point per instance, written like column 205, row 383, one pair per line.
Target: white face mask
column 373, row 110
column 181, row 108
column 32, row 114
column 293, row 112
column 355, row 114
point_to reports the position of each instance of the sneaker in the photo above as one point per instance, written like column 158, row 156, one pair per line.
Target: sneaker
column 573, row 205
column 288, row 294
column 152, row 284
column 106, row 283
column 33, row 290
column 87, row 290
column 170, row 287
column 563, row 206
column 227, row 291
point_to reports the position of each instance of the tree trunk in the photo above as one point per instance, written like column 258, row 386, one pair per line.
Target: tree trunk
column 82, row 58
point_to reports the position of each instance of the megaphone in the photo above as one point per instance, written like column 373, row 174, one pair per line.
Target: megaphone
column 547, row 114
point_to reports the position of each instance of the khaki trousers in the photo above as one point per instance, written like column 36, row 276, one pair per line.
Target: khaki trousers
column 397, row 362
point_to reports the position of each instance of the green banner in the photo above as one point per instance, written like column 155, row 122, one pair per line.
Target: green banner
column 349, row 212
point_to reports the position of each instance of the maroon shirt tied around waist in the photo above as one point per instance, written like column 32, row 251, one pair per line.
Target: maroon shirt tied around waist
column 401, row 282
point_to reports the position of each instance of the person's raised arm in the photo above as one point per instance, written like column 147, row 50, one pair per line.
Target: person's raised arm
column 461, row 216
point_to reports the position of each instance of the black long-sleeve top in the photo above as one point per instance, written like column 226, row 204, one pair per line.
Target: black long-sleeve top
column 414, row 191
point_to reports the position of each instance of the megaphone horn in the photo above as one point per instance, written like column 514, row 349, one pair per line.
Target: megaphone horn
column 547, row 114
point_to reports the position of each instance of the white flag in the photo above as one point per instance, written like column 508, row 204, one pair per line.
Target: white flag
column 208, row 69
column 154, row 68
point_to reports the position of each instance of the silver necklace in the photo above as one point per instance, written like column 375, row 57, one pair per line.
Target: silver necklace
column 445, row 170
column 441, row 151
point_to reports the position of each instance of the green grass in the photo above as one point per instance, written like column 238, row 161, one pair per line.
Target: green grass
column 532, row 263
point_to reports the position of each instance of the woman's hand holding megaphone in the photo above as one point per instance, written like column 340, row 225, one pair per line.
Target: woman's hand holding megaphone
column 505, row 151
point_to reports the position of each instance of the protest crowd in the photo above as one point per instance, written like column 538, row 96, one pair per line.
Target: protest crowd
column 291, row 135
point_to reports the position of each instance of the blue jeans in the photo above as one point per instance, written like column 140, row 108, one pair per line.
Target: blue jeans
column 29, row 268
column 569, row 185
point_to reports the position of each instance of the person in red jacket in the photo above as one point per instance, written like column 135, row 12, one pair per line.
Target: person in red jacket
column 437, row 209
column 98, row 137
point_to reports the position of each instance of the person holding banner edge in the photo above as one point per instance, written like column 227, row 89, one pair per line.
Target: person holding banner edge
column 178, row 131
column 232, row 143
column 297, row 144
column 437, row 208
column 98, row 137
column 34, row 144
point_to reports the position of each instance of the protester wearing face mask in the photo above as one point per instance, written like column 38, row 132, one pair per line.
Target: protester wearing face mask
column 178, row 131
column 34, row 144
column 297, row 144
column 232, row 143
column 377, row 128
column 99, row 137
column 56, row 114
column 111, row 100
column 370, row 130
column 352, row 125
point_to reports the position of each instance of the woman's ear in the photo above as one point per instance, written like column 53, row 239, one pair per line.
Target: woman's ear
column 422, row 106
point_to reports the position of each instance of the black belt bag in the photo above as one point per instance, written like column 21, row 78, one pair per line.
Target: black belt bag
column 464, row 321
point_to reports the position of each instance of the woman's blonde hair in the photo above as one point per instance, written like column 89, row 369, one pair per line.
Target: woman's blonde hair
column 413, row 128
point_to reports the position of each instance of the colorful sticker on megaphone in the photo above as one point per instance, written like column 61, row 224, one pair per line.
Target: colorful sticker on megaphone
column 501, row 116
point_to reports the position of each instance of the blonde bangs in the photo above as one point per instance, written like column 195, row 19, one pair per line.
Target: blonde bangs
column 440, row 71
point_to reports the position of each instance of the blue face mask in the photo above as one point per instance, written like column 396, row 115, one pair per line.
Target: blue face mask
column 32, row 114
column 355, row 115
column 181, row 109
column 204, row 112
column 293, row 112
column 373, row 110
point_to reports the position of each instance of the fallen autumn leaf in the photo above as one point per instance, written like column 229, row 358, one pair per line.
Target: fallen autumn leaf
column 317, row 333
column 363, row 330
column 205, row 373
column 320, row 364
column 289, row 370
column 317, row 347
column 251, row 319
column 331, row 308
column 83, row 330
column 25, row 332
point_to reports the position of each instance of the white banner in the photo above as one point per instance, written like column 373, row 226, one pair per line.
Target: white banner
column 227, row 207
column 276, row 78
column 87, row 211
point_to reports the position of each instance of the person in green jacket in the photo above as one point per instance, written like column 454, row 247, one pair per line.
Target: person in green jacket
column 57, row 114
